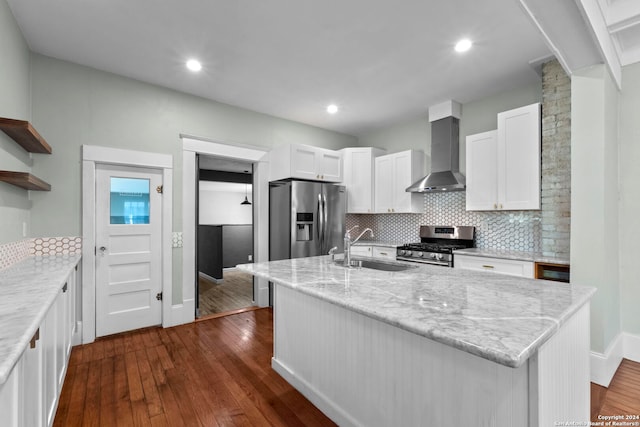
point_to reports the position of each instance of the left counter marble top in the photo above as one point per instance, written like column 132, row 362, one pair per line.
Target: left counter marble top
column 27, row 291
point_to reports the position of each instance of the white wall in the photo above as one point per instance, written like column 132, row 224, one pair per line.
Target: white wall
column 477, row 116
column 15, row 103
column 630, row 200
column 75, row 105
column 220, row 204
column 594, row 198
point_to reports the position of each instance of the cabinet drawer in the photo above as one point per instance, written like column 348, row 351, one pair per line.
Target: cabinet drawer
column 383, row 252
column 361, row 250
column 496, row 265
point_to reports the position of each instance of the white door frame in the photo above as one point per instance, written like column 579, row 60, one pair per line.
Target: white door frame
column 92, row 155
column 191, row 146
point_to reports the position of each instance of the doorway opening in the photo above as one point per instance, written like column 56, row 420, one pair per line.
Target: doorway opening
column 224, row 236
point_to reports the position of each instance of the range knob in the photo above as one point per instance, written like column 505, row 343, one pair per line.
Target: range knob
column 433, row 256
column 419, row 254
column 408, row 253
column 440, row 256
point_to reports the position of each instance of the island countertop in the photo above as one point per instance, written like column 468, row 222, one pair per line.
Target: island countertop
column 27, row 291
column 501, row 318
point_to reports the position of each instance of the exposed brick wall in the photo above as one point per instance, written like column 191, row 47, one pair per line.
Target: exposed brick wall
column 556, row 160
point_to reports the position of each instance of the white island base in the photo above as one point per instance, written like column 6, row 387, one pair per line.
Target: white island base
column 363, row 372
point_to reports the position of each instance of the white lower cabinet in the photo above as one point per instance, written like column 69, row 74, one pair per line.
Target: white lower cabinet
column 30, row 396
column 361, row 250
column 384, row 252
column 495, row 265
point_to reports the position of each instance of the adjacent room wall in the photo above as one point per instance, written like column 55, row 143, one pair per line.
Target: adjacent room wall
column 223, row 207
column 15, row 103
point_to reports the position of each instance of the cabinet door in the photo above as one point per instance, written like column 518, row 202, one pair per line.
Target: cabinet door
column 482, row 171
column 10, row 398
column 360, row 250
column 31, row 383
column 384, row 252
column 402, row 178
column 519, row 157
column 330, row 162
column 384, row 184
column 49, row 337
column 304, row 162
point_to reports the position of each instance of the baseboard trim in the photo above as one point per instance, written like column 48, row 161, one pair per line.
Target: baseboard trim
column 322, row 402
column 210, row 278
column 604, row 365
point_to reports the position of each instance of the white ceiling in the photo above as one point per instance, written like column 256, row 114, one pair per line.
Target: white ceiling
column 380, row 61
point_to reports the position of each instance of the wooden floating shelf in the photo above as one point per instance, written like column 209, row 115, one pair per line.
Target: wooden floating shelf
column 24, row 134
column 24, row 180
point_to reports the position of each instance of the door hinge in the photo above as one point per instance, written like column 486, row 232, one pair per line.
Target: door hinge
column 159, row 188
column 159, row 296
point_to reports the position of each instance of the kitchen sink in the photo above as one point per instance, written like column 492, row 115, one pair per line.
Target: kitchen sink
column 378, row 265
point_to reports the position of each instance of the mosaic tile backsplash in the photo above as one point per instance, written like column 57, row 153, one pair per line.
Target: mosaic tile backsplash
column 512, row 230
column 15, row 252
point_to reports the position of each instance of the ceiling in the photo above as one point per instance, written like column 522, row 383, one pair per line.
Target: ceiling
column 381, row 62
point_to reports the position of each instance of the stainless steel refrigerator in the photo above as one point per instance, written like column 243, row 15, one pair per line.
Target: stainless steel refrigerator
column 305, row 218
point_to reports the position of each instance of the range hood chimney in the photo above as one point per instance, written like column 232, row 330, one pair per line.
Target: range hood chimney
column 445, row 151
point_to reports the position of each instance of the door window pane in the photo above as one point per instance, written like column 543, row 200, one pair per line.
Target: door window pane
column 129, row 201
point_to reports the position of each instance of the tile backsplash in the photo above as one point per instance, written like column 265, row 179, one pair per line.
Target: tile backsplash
column 513, row 230
column 12, row 253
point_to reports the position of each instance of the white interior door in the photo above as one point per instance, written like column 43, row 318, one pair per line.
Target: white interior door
column 128, row 248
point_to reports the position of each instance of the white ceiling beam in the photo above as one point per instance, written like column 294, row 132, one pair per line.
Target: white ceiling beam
column 596, row 18
column 621, row 15
column 567, row 34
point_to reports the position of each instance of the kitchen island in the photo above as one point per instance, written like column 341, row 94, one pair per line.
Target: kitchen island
column 430, row 345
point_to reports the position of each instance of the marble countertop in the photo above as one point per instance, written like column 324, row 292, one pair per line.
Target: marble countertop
column 514, row 255
column 27, row 291
column 501, row 318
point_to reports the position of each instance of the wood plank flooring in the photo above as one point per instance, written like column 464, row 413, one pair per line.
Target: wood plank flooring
column 235, row 292
column 210, row 373
column 622, row 397
column 218, row 372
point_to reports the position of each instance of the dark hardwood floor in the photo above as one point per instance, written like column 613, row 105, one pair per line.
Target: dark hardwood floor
column 217, row 372
column 622, row 397
column 235, row 292
column 210, row 373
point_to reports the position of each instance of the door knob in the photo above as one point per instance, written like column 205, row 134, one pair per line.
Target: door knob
column 102, row 249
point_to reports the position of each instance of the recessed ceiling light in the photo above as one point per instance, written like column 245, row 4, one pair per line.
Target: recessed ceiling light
column 194, row 65
column 332, row 109
column 463, row 45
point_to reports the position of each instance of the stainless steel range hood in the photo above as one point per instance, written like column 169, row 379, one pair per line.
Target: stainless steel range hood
column 445, row 152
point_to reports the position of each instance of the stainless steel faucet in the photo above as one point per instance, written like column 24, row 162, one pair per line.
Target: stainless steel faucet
column 348, row 242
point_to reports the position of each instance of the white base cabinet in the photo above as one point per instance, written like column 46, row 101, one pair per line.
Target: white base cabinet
column 358, row 171
column 30, row 396
column 305, row 162
column 495, row 265
column 384, row 252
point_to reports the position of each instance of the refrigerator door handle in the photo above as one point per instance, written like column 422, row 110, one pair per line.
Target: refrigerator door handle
column 325, row 224
column 320, row 220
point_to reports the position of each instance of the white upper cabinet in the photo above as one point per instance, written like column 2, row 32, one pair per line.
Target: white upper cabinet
column 482, row 171
column 359, row 164
column 503, row 166
column 305, row 162
column 393, row 174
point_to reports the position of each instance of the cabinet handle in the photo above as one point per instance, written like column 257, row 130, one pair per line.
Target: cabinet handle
column 495, row 206
column 500, row 205
column 36, row 337
column 384, row 253
column 321, row 176
column 487, row 266
column 64, row 288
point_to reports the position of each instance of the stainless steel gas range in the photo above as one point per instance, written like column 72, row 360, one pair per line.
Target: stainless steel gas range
column 437, row 243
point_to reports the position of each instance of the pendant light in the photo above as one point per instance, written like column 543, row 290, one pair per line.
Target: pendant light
column 246, row 200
